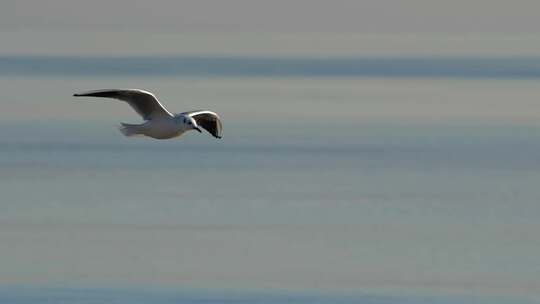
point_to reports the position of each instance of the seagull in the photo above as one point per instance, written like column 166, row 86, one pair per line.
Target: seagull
column 158, row 122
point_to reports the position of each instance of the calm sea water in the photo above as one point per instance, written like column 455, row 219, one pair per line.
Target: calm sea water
column 245, row 66
column 337, row 181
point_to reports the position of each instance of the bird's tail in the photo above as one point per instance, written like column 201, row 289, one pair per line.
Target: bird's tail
column 129, row 129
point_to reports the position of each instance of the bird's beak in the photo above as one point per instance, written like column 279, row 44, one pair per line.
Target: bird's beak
column 198, row 129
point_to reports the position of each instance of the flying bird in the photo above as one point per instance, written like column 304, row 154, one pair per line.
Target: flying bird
column 158, row 122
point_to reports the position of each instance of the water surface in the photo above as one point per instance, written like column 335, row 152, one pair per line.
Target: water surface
column 414, row 186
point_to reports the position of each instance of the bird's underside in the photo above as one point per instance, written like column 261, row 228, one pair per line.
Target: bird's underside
column 152, row 128
column 159, row 123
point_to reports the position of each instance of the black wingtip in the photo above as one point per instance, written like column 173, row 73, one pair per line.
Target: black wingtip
column 76, row 95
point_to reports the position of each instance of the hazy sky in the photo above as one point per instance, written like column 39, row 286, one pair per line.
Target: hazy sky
column 366, row 16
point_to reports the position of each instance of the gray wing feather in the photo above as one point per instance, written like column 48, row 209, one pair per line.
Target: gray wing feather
column 208, row 120
column 143, row 102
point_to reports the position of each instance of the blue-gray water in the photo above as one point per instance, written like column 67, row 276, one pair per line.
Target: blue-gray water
column 133, row 297
column 91, row 296
column 337, row 181
column 236, row 66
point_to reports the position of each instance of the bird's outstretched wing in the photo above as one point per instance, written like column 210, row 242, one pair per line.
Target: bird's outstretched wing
column 145, row 103
column 208, row 120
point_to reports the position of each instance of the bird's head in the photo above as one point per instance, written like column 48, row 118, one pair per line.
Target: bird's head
column 188, row 122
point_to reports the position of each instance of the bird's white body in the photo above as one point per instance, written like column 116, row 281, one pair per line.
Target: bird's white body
column 158, row 122
column 162, row 128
